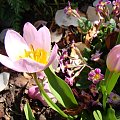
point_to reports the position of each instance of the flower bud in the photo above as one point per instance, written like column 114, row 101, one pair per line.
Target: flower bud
column 113, row 59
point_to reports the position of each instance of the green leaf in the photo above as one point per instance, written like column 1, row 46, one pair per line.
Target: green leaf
column 87, row 115
column 61, row 90
column 48, row 100
column 28, row 112
column 104, row 92
column 111, row 81
column 56, row 2
column 97, row 115
column 84, row 24
column 118, row 39
column 110, row 114
column 112, row 23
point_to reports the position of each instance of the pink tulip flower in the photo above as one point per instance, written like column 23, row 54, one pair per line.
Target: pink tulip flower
column 113, row 59
column 30, row 53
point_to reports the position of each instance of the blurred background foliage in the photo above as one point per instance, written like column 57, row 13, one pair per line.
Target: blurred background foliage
column 14, row 13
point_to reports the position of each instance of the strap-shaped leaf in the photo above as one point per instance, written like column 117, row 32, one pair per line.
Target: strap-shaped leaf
column 48, row 100
column 61, row 90
column 28, row 112
column 97, row 115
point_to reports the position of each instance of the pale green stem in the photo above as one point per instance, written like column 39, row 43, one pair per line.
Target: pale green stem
column 45, row 96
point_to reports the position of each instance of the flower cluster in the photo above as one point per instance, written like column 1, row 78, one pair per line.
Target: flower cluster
column 102, row 8
column 105, row 8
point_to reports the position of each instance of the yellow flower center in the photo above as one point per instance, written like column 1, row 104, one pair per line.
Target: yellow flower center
column 114, row 97
column 97, row 77
column 39, row 55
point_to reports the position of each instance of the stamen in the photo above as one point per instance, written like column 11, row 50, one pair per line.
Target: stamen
column 39, row 55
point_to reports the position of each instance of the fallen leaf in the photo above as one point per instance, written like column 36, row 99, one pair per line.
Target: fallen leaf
column 4, row 79
column 56, row 36
column 111, row 40
column 21, row 81
column 38, row 23
column 89, row 36
column 75, row 111
column 62, row 19
column 81, row 46
column 92, row 14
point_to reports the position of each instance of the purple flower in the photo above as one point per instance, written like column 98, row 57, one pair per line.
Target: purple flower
column 96, row 56
column 68, row 9
column 69, row 80
column 114, row 98
column 116, row 7
column 96, row 103
column 95, row 76
column 71, row 12
column 93, row 89
column 102, row 8
column 62, row 61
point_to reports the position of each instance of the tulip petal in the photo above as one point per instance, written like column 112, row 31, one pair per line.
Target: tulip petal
column 113, row 64
column 29, row 33
column 27, row 65
column 30, row 66
column 14, row 44
column 41, row 75
column 44, row 39
column 6, row 61
column 39, row 39
column 22, row 65
column 52, row 56
column 117, row 67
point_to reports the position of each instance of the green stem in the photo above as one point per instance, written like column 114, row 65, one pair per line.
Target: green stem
column 48, row 100
column 104, row 92
column 104, row 100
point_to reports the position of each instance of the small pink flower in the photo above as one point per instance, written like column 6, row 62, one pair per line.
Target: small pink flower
column 30, row 53
column 95, row 76
column 69, row 80
column 96, row 56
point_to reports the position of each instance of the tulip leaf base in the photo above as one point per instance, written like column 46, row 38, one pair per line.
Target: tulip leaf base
column 61, row 90
column 112, row 80
column 48, row 100
column 108, row 84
